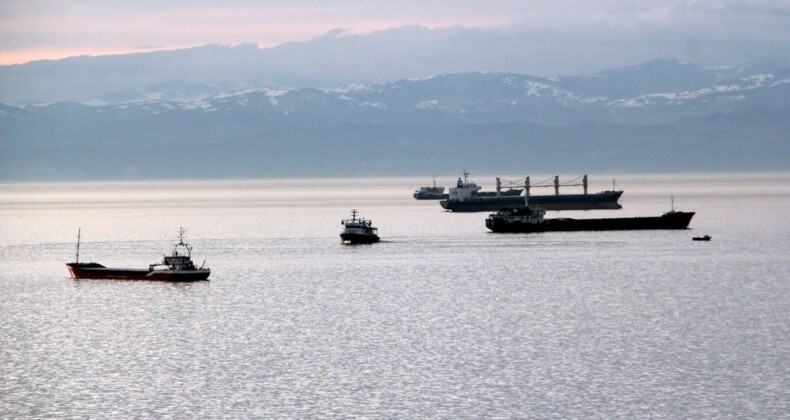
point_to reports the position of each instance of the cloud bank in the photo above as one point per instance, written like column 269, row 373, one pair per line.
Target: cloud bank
column 712, row 32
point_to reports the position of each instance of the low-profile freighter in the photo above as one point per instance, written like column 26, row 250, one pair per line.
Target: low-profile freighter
column 530, row 220
column 176, row 267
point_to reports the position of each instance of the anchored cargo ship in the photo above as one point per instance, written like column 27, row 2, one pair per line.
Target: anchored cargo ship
column 176, row 267
column 461, row 199
column 529, row 220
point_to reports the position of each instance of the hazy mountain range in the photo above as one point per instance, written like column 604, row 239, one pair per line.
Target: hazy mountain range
column 664, row 115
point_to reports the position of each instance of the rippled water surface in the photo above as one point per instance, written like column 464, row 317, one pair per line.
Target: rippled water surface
column 440, row 320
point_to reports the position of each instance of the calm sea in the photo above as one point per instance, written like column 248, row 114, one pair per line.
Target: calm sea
column 440, row 320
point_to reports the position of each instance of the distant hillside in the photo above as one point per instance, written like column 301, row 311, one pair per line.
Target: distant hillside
column 664, row 115
column 338, row 59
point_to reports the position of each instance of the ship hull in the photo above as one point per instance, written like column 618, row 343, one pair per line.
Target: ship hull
column 673, row 220
column 420, row 196
column 356, row 238
column 480, row 194
column 100, row 272
column 606, row 200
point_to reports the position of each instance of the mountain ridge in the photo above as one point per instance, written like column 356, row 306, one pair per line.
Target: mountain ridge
column 326, row 61
column 489, row 121
column 460, row 97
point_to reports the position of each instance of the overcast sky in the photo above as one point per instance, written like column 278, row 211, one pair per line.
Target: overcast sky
column 705, row 31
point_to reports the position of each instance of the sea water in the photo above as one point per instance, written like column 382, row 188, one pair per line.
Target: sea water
column 442, row 319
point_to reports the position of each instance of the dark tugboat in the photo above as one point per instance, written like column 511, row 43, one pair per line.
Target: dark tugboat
column 175, row 267
column 358, row 231
column 529, row 220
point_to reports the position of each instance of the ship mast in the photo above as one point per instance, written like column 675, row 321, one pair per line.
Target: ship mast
column 181, row 235
column 181, row 232
column 77, row 257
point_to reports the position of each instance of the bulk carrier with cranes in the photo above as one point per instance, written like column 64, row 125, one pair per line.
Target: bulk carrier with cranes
column 462, row 198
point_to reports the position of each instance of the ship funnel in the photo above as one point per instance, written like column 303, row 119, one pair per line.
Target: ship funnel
column 526, row 187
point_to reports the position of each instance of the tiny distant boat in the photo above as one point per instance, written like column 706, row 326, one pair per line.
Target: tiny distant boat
column 358, row 231
column 529, row 220
column 176, row 267
column 430, row 193
column 701, row 238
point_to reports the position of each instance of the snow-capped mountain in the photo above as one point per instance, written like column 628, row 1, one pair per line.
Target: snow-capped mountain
column 625, row 119
column 468, row 98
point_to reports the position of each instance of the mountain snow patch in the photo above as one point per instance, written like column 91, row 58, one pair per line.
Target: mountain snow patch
column 429, row 104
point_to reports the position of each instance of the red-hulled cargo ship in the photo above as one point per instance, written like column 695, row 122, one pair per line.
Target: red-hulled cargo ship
column 176, row 267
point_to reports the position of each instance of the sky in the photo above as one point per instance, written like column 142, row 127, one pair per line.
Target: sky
column 51, row 29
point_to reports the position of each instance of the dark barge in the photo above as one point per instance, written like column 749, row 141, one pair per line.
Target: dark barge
column 530, row 220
